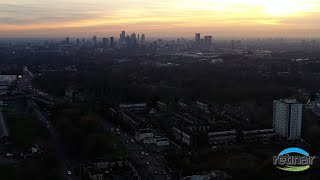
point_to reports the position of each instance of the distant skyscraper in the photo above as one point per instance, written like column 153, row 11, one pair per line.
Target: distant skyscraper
column 78, row 41
column 133, row 40
column 139, row 38
column 133, row 36
column 94, row 40
column 287, row 118
column 197, row 38
column 208, row 42
column 143, row 39
column 128, row 41
column 123, row 36
column 112, row 42
column 105, row 42
column 67, row 40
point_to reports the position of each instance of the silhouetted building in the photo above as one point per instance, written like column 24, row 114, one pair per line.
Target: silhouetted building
column 112, row 42
column 128, row 42
column 143, row 39
column 105, row 42
column 123, row 36
column 208, row 42
column 197, row 38
column 133, row 40
column 94, row 40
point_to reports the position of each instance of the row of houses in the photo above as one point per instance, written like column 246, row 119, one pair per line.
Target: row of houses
column 224, row 137
column 130, row 114
column 187, row 127
column 185, row 107
column 147, row 137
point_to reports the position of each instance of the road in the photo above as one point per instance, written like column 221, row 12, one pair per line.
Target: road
column 156, row 169
column 26, row 84
column 65, row 164
column 151, row 165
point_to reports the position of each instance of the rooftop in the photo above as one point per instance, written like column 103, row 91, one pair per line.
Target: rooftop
column 132, row 105
column 259, row 131
column 222, row 133
column 145, row 131
column 288, row 101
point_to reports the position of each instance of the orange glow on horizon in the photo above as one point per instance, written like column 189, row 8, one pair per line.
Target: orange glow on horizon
column 152, row 17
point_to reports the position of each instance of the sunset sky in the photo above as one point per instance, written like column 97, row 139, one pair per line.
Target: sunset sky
column 158, row 18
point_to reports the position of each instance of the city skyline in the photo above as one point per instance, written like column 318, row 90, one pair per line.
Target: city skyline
column 245, row 18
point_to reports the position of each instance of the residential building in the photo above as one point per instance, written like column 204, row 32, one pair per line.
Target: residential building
column 161, row 141
column 183, row 106
column 181, row 135
column 262, row 135
column 287, row 118
column 192, row 123
column 157, row 140
column 149, row 140
column 142, row 134
column 219, row 60
column 162, row 106
column 223, row 137
column 133, row 107
column 203, row 106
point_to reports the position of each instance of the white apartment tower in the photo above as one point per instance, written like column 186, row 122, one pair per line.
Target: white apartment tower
column 287, row 118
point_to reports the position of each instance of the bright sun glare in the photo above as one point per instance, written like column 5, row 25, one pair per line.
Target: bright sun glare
column 276, row 8
column 284, row 7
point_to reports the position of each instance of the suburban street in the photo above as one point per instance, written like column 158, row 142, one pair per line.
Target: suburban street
column 153, row 165
column 26, row 84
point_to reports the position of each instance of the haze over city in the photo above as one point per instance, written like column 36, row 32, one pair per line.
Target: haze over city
column 159, row 90
column 179, row 18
